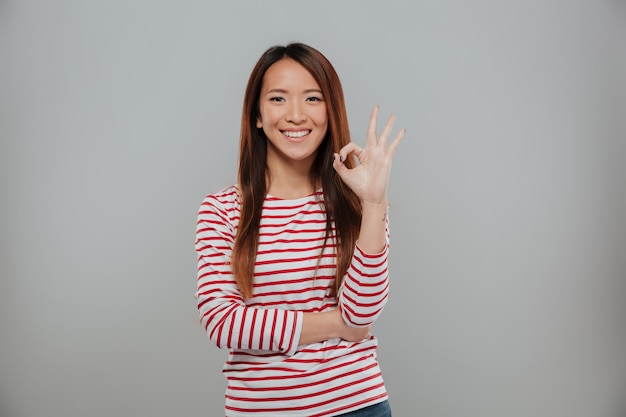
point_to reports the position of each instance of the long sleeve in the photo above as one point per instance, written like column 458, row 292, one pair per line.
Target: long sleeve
column 267, row 373
column 229, row 323
column 365, row 287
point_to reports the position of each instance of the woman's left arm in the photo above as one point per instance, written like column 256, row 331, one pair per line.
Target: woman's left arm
column 365, row 288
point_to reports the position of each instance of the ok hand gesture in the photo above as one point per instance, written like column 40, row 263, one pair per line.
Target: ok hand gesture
column 370, row 178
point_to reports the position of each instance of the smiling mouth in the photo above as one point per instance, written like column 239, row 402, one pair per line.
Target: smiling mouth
column 296, row 134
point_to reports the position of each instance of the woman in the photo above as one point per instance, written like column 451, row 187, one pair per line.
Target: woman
column 292, row 261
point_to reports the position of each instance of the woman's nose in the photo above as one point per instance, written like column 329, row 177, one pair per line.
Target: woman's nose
column 295, row 113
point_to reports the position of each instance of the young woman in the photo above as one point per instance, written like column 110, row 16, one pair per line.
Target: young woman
column 292, row 261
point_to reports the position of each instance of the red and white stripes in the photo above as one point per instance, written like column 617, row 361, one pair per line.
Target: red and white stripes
column 268, row 373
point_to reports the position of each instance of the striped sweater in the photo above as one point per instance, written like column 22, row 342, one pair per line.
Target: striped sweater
column 268, row 373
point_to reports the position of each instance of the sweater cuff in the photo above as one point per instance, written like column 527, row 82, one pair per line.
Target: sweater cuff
column 381, row 254
column 295, row 335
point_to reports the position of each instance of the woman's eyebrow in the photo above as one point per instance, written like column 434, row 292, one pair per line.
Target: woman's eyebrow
column 276, row 90
column 283, row 91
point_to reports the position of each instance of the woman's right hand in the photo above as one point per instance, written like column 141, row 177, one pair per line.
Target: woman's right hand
column 351, row 334
column 318, row 327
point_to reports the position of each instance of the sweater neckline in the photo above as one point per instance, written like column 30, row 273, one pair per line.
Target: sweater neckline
column 304, row 198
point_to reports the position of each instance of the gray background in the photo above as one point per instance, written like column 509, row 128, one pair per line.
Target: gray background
column 508, row 197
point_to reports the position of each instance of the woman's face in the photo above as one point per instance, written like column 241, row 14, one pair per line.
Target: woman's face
column 292, row 114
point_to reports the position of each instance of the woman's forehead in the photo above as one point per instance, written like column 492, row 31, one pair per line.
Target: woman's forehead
column 288, row 74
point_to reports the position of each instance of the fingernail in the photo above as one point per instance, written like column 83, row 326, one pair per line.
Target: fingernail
column 340, row 158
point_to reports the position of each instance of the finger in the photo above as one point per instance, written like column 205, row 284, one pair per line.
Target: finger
column 387, row 131
column 395, row 142
column 350, row 148
column 339, row 166
column 371, row 129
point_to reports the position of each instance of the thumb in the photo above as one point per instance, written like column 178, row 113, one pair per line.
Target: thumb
column 339, row 166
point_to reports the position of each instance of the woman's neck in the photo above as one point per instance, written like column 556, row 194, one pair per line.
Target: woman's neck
column 289, row 187
column 290, row 179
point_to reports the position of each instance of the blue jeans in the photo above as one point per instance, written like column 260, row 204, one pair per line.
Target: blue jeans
column 377, row 410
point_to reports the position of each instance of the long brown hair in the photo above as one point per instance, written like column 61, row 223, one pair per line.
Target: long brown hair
column 341, row 204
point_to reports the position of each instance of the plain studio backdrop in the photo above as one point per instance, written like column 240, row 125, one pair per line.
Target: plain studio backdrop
column 507, row 197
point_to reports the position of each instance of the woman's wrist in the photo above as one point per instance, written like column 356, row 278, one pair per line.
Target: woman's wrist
column 374, row 205
column 317, row 327
column 373, row 235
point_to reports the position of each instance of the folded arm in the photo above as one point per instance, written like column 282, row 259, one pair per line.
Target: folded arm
column 228, row 321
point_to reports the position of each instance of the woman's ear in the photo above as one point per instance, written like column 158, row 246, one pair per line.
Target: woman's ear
column 259, row 123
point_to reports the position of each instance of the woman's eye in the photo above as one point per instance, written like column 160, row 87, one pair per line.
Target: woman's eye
column 314, row 99
column 277, row 99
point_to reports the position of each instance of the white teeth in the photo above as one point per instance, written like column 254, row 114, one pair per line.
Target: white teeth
column 296, row 134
